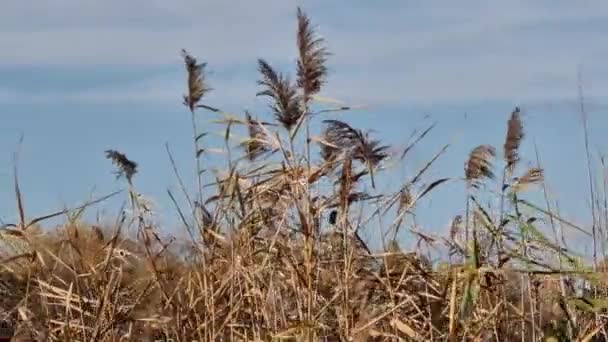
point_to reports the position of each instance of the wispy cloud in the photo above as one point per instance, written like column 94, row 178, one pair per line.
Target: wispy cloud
column 389, row 54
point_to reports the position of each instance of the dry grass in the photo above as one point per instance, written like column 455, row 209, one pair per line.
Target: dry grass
column 274, row 255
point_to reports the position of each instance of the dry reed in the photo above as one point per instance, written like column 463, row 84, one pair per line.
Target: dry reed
column 265, row 267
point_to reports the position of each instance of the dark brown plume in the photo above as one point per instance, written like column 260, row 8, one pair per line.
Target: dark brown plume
column 286, row 107
column 313, row 55
column 341, row 138
column 370, row 151
column 197, row 86
column 515, row 134
column 126, row 167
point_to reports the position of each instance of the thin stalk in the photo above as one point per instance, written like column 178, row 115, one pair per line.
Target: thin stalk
column 228, row 149
column 500, row 233
column 466, row 226
column 532, row 299
column 499, row 243
column 583, row 114
column 562, row 280
column 208, row 301
column 310, row 236
column 346, row 277
column 523, row 310
column 605, row 195
column 307, row 139
column 196, row 156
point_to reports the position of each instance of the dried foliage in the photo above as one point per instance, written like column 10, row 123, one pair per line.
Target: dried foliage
column 532, row 176
column 256, row 145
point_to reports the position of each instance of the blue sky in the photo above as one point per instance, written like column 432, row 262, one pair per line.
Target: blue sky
column 79, row 77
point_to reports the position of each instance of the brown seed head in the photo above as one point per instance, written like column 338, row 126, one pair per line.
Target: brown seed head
column 479, row 165
column 286, row 101
column 515, row 134
column 313, row 55
column 197, row 86
column 126, row 167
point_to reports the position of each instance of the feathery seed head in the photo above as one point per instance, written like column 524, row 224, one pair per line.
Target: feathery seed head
column 197, row 86
column 313, row 55
column 479, row 165
column 286, row 107
column 515, row 134
column 126, row 167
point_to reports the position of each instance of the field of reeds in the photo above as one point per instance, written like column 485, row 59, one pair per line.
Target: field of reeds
column 273, row 248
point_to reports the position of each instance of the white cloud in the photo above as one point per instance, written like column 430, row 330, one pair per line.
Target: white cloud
column 383, row 54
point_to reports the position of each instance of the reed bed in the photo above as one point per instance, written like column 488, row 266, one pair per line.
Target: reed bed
column 273, row 248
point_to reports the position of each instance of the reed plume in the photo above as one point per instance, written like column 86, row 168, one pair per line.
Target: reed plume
column 197, row 85
column 339, row 137
column 286, row 107
column 370, row 151
column 515, row 134
column 479, row 166
column 126, row 167
column 313, row 56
